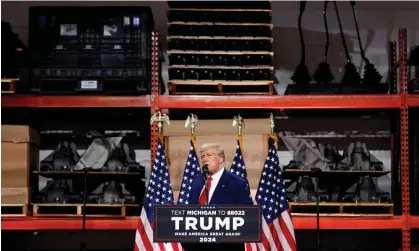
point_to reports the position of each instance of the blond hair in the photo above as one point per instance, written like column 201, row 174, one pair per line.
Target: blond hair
column 218, row 149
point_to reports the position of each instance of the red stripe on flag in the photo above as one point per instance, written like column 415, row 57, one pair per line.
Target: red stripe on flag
column 146, row 242
column 287, row 234
column 275, row 237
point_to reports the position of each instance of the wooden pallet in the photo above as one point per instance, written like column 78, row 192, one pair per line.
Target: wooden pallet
column 14, row 210
column 8, row 85
column 220, row 24
column 190, row 87
column 220, row 38
column 270, row 53
column 98, row 210
column 218, row 10
column 336, row 208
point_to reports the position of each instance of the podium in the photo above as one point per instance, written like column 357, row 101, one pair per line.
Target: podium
column 208, row 227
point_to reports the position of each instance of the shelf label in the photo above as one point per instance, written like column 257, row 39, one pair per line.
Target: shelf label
column 89, row 84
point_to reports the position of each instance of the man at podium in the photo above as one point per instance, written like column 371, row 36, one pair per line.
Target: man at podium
column 217, row 186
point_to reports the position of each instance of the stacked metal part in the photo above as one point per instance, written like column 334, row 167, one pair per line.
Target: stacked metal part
column 362, row 187
column 90, row 49
column 227, row 43
column 111, row 155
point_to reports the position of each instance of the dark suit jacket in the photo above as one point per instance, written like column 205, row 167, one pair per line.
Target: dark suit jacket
column 231, row 189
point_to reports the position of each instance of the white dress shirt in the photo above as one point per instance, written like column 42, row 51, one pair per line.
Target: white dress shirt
column 215, row 179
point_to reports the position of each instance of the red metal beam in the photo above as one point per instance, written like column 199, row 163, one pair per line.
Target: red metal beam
column 181, row 101
column 300, row 222
column 348, row 222
column 413, row 100
column 414, row 221
column 33, row 223
column 277, row 102
column 404, row 141
column 74, row 101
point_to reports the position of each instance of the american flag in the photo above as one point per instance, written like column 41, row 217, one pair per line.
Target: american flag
column 159, row 192
column 278, row 229
column 192, row 169
column 238, row 167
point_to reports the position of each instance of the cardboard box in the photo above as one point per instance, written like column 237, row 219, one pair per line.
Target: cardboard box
column 255, row 145
column 20, row 154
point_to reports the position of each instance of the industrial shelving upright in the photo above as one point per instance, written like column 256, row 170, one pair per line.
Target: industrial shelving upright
column 402, row 101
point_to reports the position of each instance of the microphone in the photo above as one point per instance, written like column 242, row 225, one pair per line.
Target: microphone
column 205, row 171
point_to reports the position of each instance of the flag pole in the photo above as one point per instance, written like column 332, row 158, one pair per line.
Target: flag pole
column 191, row 121
column 272, row 135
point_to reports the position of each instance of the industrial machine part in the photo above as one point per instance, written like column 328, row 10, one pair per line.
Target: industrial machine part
column 351, row 75
column 306, row 155
column 323, row 74
column 371, row 75
column 330, row 152
column 122, row 159
column 97, row 153
column 111, row 192
column 367, row 190
column 301, row 75
column 357, row 157
column 58, row 191
column 64, row 157
column 305, row 190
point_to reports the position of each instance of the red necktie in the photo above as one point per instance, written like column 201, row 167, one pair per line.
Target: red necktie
column 204, row 196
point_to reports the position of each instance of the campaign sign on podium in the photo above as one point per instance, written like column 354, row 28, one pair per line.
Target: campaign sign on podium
column 212, row 223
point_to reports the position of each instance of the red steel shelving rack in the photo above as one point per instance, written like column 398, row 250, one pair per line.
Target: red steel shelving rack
column 155, row 102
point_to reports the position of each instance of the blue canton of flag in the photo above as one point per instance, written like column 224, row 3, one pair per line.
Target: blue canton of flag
column 159, row 190
column 192, row 169
column 238, row 167
column 271, row 189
